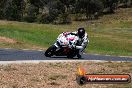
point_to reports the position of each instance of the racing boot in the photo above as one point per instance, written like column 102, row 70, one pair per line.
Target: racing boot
column 78, row 55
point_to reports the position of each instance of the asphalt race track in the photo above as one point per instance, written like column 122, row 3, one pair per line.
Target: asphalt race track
column 18, row 55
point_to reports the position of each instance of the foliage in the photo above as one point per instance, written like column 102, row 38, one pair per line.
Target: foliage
column 12, row 9
column 50, row 11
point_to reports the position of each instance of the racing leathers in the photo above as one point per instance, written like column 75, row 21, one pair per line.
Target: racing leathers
column 82, row 42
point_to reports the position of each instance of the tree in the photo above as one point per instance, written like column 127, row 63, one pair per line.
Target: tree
column 50, row 10
column 110, row 5
column 13, row 9
column 2, row 4
column 30, row 14
column 91, row 8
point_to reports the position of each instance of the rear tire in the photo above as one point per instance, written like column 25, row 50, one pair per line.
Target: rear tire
column 50, row 51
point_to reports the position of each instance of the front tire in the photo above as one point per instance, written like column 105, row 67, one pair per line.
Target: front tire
column 50, row 51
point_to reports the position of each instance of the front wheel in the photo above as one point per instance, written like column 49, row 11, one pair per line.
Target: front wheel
column 50, row 51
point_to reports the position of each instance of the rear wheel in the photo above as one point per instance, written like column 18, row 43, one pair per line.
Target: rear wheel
column 50, row 51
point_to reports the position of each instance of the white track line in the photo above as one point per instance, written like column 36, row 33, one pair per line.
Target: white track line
column 50, row 61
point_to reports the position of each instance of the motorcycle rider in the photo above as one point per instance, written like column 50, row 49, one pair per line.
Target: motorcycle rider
column 82, row 40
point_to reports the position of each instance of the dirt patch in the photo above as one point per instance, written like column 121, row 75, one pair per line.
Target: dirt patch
column 58, row 75
column 7, row 40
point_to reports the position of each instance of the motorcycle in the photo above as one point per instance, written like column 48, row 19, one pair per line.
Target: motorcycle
column 66, row 48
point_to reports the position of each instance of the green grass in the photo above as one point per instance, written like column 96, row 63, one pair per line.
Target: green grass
column 39, row 36
column 107, row 35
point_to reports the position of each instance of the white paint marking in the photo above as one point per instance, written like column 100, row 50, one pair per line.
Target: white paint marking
column 51, row 61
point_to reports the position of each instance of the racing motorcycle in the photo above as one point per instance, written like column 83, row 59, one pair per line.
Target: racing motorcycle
column 66, row 48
